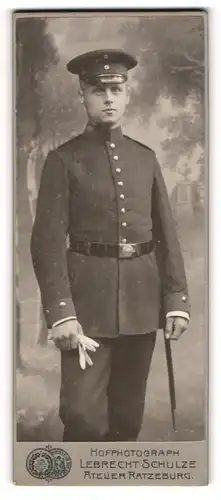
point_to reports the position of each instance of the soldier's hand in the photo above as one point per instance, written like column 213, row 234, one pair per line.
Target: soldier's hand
column 69, row 335
column 175, row 326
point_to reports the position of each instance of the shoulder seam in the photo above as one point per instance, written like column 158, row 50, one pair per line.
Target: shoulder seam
column 66, row 143
column 138, row 142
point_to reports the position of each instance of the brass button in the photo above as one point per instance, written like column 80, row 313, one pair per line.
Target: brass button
column 116, row 157
column 122, row 196
column 123, row 210
column 106, row 66
column 124, row 240
column 120, row 183
column 118, row 170
column 62, row 304
column 124, row 224
column 184, row 298
column 112, row 145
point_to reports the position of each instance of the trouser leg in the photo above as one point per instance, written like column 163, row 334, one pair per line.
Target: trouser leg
column 83, row 395
column 131, row 359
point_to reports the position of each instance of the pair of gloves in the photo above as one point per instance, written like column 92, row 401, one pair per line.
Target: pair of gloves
column 69, row 335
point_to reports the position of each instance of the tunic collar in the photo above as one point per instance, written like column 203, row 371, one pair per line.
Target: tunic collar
column 105, row 134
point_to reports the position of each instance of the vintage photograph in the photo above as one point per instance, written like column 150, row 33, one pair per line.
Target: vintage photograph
column 111, row 340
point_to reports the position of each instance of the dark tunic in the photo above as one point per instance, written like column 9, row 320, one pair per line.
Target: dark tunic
column 80, row 197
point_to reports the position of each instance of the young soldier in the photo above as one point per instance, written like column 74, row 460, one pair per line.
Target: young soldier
column 122, row 277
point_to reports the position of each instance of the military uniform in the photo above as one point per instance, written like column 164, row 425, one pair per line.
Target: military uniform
column 120, row 275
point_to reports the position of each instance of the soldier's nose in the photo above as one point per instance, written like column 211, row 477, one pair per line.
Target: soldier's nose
column 108, row 98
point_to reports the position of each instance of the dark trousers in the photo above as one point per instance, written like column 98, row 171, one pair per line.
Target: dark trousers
column 105, row 402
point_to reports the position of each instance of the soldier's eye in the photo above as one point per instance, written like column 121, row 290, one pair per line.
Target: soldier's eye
column 116, row 89
column 97, row 90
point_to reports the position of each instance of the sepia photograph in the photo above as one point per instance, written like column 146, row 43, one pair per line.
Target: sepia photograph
column 111, row 201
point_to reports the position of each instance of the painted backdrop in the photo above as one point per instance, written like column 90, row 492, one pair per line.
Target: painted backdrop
column 166, row 113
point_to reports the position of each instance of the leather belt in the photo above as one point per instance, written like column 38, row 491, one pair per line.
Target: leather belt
column 115, row 250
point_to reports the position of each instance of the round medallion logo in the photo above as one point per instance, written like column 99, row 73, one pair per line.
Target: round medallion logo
column 48, row 463
column 62, row 463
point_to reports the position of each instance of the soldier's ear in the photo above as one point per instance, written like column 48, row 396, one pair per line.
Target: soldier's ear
column 81, row 95
column 128, row 92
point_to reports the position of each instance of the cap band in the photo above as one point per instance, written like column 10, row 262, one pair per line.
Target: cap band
column 112, row 79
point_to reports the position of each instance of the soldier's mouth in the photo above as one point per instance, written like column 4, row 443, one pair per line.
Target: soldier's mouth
column 107, row 110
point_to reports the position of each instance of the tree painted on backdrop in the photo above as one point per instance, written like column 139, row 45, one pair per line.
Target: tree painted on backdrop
column 171, row 66
column 35, row 53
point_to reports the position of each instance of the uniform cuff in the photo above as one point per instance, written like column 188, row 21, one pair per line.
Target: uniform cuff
column 60, row 321
column 180, row 314
column 178, row 301
column 59, row 310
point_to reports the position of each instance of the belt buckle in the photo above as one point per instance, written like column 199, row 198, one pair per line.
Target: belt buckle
column 127, row 250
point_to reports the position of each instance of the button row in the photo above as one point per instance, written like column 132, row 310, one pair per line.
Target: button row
column 120, row 183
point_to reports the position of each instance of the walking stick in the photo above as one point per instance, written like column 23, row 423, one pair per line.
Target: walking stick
column 171, row 380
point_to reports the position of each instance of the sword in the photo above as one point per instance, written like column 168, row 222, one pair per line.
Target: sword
column 171, row 380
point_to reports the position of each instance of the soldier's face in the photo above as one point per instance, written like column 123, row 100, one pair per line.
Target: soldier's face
column 105, row 103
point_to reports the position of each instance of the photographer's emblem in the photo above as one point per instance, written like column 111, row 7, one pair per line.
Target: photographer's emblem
column 62, row 463
column 40, row 463
column 48, row 463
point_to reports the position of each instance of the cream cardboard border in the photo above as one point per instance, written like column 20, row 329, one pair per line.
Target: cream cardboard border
column 189, row 459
